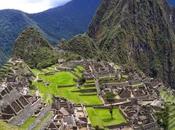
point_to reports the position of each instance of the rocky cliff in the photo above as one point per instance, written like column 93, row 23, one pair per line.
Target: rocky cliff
column 139, row 32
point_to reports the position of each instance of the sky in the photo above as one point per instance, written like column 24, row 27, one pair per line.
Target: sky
column 172, row 1
column 31, row 6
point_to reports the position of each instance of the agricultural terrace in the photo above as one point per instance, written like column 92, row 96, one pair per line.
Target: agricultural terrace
column 169, row 99
column 102, row 117
column 64, row 84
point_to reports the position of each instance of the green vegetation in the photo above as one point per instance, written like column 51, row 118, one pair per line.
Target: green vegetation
column 167, row 96
column 167, row 115
column 27, row 123
column 78, row 71
column 102, row 117
column 59, row 78
column 63, row 84
column 110, row 96
column 171, row 116
column 5, row 70
column 36, row 72
column 81, row 45
column 12, row 22
column 5, row 126
column 34, row 49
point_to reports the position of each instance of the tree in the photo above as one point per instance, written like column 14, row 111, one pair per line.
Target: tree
column 97, row 127
column 111, row 111
column 110, row 96
column 81, row 81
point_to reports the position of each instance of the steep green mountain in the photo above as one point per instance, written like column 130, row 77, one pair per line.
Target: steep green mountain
column 34, row 49
column 135, row 32
column 82, row 45
column 60, row 22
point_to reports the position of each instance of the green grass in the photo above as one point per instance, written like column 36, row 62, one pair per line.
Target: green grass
column 49, row 69
column 170, row 103
column 171, row 119
column 84, row 95
column 5, row 126
column 81, row 96
column 59, row 78
column 168, row 97
column 78, row 71
column 36, row 72
column 102, row 117
column 90, row 81
column 46, row 70
column 27, row 123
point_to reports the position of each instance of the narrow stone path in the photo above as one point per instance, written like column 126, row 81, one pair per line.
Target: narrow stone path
column 38, row 119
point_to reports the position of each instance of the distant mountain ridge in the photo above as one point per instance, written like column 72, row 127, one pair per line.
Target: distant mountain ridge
column 60, row 22
column 12, row 22
column 74, row 18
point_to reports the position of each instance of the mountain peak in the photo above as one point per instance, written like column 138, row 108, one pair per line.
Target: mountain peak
column 138, row 32
column 34, row 49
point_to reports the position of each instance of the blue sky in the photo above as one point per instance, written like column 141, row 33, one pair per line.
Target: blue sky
column 31, row 6
column 172, row 1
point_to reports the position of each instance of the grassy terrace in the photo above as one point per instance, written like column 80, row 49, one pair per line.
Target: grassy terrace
column 102, row 117
column 27, row 123
column 5, row 126
column 57, row 81
column 57, row 85
column 169, row 98
column 5, row 70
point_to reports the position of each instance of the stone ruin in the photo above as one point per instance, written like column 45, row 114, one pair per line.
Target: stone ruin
column 15, row 108
column 139, row 117
column 68, row 116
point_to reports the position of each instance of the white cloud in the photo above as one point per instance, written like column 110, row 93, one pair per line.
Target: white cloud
column 31, row 6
